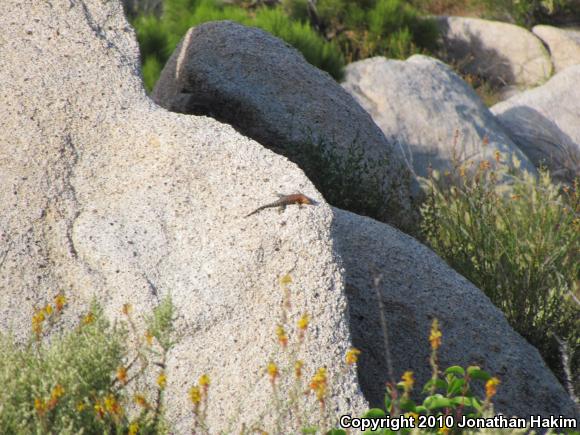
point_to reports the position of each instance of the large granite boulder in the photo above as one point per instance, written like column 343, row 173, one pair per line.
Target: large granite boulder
column 564, row 45
column 430, row 112
column 502, row 53
column 104, row 194
column 544, row 122
column 267, row 91
column 415, row 286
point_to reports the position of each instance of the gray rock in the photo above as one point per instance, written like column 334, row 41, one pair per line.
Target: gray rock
column 502, row 53
column 416, row 287
column 266, row 90
column 564, row 45
column 105, row 195
column 429, row 111
column 544, row 122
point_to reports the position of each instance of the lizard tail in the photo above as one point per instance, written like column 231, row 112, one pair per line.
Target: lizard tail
column 254, row 212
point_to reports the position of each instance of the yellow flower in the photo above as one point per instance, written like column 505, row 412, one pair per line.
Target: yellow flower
column 352, row 356
column 112, row 405
column 134, row 428
column 39, row 405
column 37, row 320
column 57, row 392
column 88, row 319
column 149, row 338
column 59, row 302
column 99, row 410
column 127, row 308
column 195, row 395
column 318, row 384
column 141, row 400
column 491, row 387
column 435, row 336
column 122, row 374
column 204, row 381
column 298, row 368
column 48, row 309
column 443, row 429
column 162, row 380
column 408, row 381
column 273, row 371
column 80, row 406
column 282, row 336
column 303, row 322
column 285, row 280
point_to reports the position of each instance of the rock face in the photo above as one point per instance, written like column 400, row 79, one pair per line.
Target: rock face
column 503, row 53
column 105, row 194
column 564, row 45
column 266, row 90
column 429, row 111
column 544, row 123
column 416, row 287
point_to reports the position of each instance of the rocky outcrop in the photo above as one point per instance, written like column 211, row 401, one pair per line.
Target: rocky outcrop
column 106, row 195
column 564, row 45
column 266, row 90
column 430, row 112
column 502, row 53
column 415, row 286
column 544, row 123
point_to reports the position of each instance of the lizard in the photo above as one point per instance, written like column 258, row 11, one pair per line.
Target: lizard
column 296, row 198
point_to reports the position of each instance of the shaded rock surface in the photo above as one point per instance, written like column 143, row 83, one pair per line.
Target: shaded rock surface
column 266, row 90
column 416, row 287
column 502, row 53
column 104, row 194
column 429, row 111
column 564, row 45
column 544, row 122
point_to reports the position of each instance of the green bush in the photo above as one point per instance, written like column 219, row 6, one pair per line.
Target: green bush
column 528, row 13
column 365, row 28
column 76, row 381
column 518, row 242
column 158, row 37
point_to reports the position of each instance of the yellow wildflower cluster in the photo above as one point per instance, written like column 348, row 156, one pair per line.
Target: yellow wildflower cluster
column 352, row 356
column 134, row 428
column 162, row 381
column 273, row 372
column 491, row 387
column 140, row 400
column 298, row 368
column 319, row 384
column 435, row 336
column 199, row 392
column 44, row 313
column 282, row 336
column 408, row 381
column 122, row 375
column 88, row 319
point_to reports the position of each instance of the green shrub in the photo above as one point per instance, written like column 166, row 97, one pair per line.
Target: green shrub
column 528, row 13
column 76, row 381
column 158, row 37
column 519, row 243
column 365, row 28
